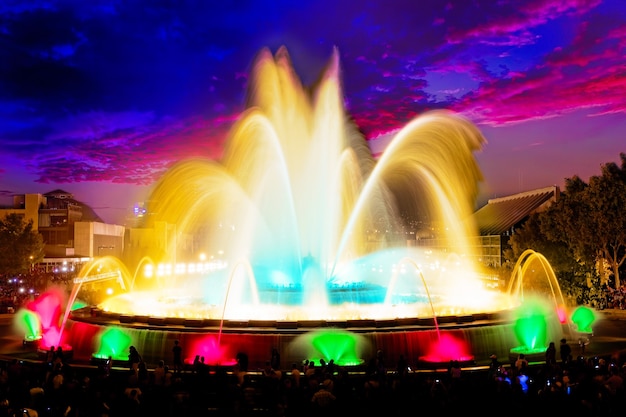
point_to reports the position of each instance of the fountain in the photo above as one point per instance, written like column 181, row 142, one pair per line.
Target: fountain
column 542, row 317
column 309, row 256
column 29, row 324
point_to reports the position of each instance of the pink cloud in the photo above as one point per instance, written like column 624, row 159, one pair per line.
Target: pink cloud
column 134, row 154
column 587, row 74
column 513, row 29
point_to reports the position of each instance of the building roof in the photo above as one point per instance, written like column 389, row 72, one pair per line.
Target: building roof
column 58, row 193
column 501, row 215
column 88, row 213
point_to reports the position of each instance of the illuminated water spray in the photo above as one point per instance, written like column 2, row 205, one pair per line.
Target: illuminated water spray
column 112, row 343
column 306, row 225
column 30, row 325
column 583, row 317
column 299, row 199
column 535, row 284
column 344, row 348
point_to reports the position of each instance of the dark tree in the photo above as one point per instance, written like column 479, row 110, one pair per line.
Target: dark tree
column 20, row 245
column 530, row 236
column 590, row 219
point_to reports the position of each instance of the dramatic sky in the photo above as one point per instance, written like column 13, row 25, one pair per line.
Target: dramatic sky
column 99, row 97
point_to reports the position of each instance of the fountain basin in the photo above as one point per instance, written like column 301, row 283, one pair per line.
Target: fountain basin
column 483, row 333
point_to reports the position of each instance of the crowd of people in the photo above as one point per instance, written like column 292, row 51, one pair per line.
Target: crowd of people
column 579, row 386
column 614, row 298
column 17, row 290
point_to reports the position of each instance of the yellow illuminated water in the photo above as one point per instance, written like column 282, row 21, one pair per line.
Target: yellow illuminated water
column 306, row 222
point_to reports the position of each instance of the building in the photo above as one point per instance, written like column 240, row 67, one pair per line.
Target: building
column 497, row 221
column 72, row 231
column 500, row 217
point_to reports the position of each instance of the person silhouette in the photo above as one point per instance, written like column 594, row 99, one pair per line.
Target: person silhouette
column 275, row 359
column 177, row 362
column 521, row 362
column 551, row 354
column 494, row 367
column 565, row 351
column 133, row 358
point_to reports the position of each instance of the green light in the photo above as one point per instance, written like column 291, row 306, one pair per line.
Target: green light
column 114, row 343
column 339, row 346
column 583, row 317
column 28, row 321
column 531, row 326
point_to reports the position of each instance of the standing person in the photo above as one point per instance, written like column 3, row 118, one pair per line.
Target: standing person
column 521, row 362
column 108, row 364
column 134, row 358
column 551, row 354
column 177, row 362
column 494, row 367
column 402, row 367
column 275, row 359
column 242, row 361
column 50, row 356
column 381, row 369
column 455, row 371
column 565, row 351
column 295, row 375
column 59, row 358
column 323, row 399
column 158, row 375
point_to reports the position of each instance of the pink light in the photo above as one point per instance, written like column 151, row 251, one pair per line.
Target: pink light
column 50, row 337
column 48, row 308
column 562, row 314
column 213, row 353
column 447, row 348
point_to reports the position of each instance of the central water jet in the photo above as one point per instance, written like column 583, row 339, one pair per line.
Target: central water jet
column 315, row 218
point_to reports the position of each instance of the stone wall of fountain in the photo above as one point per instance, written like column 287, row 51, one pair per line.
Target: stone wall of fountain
column 470, row 339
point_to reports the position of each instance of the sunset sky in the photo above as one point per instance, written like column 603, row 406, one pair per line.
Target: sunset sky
column 100, row 97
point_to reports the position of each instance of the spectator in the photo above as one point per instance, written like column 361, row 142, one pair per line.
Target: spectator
column 275, row 359
column 521, row 362
column 158, row 375
column 295, row 375
column 551, row 354
column 177, row 352
column 565, row 351
column 494, row 367
column 133, row 358
column 323, row 399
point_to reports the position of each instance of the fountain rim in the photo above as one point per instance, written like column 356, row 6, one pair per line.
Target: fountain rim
column 96, row 316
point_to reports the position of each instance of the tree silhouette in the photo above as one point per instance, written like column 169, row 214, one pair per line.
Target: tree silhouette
column 590, row 219
column 20, row 245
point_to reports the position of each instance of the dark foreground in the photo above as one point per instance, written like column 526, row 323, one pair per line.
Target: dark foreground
column 584, row 387
column 588, row 386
